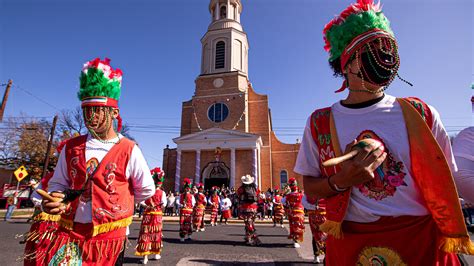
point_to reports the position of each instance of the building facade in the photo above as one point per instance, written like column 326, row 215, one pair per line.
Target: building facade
column 226, row 127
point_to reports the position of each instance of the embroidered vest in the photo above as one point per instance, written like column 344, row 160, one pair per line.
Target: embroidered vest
column 294, row 200
column 111, row 193
column 155, row 202
column 429, row 170
column 200, row 200
column 186, row 201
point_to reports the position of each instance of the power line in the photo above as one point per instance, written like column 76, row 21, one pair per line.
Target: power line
column 36, row 97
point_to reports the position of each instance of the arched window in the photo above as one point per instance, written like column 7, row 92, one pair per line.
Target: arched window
column 283, row 178
column 220, row 54
column 223, row 12
column 218, row 112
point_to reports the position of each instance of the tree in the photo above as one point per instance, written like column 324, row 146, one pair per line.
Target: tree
column 71, row 122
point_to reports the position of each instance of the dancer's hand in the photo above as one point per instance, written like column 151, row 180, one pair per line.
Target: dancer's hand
column 54, row 207
column 359, row 169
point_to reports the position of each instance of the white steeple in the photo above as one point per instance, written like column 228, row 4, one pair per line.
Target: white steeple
column 224, row 46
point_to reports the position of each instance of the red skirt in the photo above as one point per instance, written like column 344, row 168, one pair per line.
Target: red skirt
column 39, row 238
column 405, row 240
column 149, row 240
column 296, row 220
column 79, row 246
column 226, row 214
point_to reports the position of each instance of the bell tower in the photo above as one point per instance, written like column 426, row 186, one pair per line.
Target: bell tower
column 224, row 46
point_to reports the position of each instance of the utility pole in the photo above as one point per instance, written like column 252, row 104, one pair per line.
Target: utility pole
column 50, row 142
column 5, row 98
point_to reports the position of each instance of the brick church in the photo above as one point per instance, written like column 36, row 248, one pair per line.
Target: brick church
column 226, row 127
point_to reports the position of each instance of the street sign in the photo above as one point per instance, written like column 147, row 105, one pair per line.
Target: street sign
column 20, row 173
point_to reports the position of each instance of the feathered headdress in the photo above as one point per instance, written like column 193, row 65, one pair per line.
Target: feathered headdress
column 187, row 183
column 100, row 85
column 158, row 175
column 292, row 182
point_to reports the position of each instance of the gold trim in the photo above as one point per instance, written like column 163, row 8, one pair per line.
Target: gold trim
column 107, row 227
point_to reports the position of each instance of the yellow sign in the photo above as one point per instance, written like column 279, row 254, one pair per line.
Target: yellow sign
column 20, row 173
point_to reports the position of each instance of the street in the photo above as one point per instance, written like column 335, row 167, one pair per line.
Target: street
column 223, row 245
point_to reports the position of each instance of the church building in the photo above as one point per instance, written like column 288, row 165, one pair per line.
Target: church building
column 226, row 126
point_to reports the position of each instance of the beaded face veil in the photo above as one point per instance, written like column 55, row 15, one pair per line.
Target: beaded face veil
column 100, row 87
column 362, row 34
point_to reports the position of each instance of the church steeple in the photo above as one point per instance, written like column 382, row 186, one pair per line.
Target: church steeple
column 224, row 46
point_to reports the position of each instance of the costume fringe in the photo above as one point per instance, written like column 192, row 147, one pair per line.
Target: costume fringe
column 457, row 245
column 68, row 224
column 107, row 227
column 42, row 216
column 332, row 228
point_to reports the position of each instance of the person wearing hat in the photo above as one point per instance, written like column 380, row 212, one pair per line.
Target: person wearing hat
column 186, row 203
column 150, row 240
column 199, row 208
column 278, row 209
column 295, row 212
column 213, row 202
column 396, row 191
column 98, row 177
column 248, row 197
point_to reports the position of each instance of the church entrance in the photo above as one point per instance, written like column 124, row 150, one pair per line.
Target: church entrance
column 216, row 174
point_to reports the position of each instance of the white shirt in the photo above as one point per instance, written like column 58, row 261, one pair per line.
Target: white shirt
column 385, row 121
column 178, row 201
column 164, row 200
column 225, row 204
column 137, row 170
column 463, row 149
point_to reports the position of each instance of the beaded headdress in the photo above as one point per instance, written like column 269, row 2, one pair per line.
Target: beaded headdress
column 158, row 176
column 100, row 85
column 363, row 30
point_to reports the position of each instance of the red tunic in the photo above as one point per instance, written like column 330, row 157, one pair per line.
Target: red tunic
column 150, row 238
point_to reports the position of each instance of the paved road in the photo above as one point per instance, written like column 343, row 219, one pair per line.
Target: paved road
column 221, row 245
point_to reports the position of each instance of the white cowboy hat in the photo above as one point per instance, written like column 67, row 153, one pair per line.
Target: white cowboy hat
column 247, row 179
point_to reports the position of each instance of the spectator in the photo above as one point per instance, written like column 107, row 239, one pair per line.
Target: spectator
column 11, row 205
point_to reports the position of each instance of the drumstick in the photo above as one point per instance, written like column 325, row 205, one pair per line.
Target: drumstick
column 45, row 195
column 340, row 159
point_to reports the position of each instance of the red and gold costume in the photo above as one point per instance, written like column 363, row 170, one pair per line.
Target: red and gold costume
column 316, row 210
column 186, row 201
column 295, row 212
column 247, row 194
column 278, row 209
column 214, row 201
column 150, row 237
column 199, row 209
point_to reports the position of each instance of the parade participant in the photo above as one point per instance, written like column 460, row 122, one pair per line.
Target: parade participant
column 186, row 203
column 316, row 210
column 398, row 191
column 278, row 209
column 248, row 197
column 225, row 204
column 214, row 205
column 295, row 212
column 12, row 201
column 97, row 178
column 199, row 208
column 463, row 150
column 150, row 238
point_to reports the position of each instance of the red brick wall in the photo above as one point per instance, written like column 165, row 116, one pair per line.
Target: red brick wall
column 243, row 165
column 284, row 158
column 169, row 166
column 186, row 118
column 188, row 165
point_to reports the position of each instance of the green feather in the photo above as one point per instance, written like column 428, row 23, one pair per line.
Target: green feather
column 94, row 83
column 339, row 36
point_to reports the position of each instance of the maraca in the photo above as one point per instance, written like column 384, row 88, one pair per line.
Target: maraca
column 354, row 151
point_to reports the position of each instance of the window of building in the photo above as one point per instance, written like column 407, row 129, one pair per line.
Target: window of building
column 283, row 178
column 220, row 54
column 223, row 12
column 218, row 112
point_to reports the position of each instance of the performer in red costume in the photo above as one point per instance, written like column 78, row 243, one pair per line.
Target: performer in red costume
column 295, row 212
column 248, row 197
column 199, row 208
column 214, row 205
column 97, row 179
column 278, row 209
column 316, row 210
column 394, row 201
column 186, row 203
column 150, row 238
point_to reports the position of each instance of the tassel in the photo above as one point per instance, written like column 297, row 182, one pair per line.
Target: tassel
column 457, row 245
column 332, row 228
column 343, row 87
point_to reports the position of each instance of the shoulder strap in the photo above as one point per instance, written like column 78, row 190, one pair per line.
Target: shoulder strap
column 422, row 108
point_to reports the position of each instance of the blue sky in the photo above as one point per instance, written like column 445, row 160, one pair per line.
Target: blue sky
column 43, row 44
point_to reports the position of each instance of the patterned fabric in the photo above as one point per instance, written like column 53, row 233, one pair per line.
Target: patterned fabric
column 150, row 238
column 278, row 210
column 185, row 222
column 79, row 247
column 248, row 214
column 39, row 238
column 295, row 216
column 214, row 208
column 316, row 218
